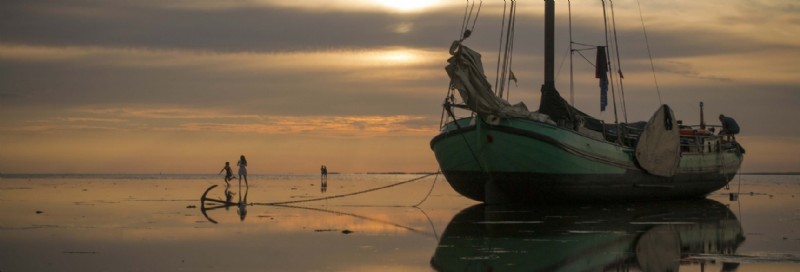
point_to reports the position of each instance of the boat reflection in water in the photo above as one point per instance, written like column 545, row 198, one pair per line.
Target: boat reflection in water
column 643, row 236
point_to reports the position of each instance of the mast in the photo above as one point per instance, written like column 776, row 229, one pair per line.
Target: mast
column 549, row 44
column 702, row 119
column 551, row 102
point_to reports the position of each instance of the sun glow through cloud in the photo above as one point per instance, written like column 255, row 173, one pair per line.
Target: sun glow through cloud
column 140, row 84
column 398, row 56
column 407, row 5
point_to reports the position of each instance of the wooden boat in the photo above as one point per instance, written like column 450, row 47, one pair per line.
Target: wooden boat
column 506, row 153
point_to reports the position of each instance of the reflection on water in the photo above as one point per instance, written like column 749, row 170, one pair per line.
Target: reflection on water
column 620, row 237
column 143, row 223
column 208, row 203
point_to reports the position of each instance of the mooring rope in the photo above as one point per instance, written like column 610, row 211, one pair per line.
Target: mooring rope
column 429, row 191
column 352, row 194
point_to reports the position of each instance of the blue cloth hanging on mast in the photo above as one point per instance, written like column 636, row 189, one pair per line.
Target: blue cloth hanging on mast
column 601, row 72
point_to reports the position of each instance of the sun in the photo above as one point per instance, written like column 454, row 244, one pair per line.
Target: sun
column 407, row 5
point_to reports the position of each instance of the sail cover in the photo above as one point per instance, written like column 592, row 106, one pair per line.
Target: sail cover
column 658, row 150
column 601, row 72
column 466, row 75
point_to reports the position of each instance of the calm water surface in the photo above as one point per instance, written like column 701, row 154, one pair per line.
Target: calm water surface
column 158, row 222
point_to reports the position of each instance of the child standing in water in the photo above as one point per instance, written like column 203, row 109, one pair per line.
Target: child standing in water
column 228, row 172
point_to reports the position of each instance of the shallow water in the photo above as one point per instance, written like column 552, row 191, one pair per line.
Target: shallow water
column 157, row 222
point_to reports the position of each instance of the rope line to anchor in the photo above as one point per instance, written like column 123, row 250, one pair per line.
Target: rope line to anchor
column 354, row 193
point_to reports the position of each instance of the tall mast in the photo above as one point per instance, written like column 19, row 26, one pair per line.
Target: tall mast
column 549, row 43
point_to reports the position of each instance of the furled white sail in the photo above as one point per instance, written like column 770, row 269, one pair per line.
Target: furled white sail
column 466, row 75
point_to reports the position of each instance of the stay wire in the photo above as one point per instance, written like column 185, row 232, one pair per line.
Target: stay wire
column 475, row 21
column 508, row 47
column 463, row 22
column 571, row 54
column 500, row 49
column 619, row 62
column 463, row 36
column 608, row 65
column 649, row 54
column 511, row 52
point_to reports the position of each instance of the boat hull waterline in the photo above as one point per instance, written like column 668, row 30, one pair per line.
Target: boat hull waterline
column 519, row 160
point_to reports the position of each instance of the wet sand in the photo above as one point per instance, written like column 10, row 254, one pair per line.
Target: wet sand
column 156, row 223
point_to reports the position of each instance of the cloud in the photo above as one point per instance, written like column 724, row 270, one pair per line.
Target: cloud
column 194, row 120
column 319, row 126
column 333, row 82
column 248, row 27
column 144, row 71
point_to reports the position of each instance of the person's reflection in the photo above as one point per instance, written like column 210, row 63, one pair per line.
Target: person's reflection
column 208, row 204
column 228, row 196
column 242, row 206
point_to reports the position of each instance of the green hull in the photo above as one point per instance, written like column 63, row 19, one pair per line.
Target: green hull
column 520, row 160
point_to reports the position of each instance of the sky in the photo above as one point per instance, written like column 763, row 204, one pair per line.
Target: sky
column 152, row 86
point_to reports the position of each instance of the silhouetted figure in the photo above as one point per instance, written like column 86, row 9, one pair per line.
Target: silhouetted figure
column 242, row 163
column 228, row 172
column 324, row 179
column 324, row 175
column 729, row 127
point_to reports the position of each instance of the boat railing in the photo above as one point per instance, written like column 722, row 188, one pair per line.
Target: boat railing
column 623, row 133
column 693, row 139
column 701, row 139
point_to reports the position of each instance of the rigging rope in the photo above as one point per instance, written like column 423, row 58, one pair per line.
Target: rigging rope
column 429, row 191
column 465, row 29
column 650, row 55
column 608, row 64
column 509, row 48
column 475, row 21
column 464, row 22
column 500, row 48
column 512, row 31
column 571, row 54
column 619, row 62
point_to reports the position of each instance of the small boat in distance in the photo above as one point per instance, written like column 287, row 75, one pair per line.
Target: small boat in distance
column 504, row 153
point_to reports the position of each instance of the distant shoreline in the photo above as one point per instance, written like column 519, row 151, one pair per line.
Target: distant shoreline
column 182, row 175
column 214, row 176
column 772, row 173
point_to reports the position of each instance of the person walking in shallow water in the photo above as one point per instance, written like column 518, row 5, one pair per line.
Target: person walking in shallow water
column 228, row 172
column 242, row 163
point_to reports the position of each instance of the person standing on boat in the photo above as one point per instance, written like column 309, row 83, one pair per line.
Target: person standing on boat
column 242, row 163
column 729, row 127
column 228, row 172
